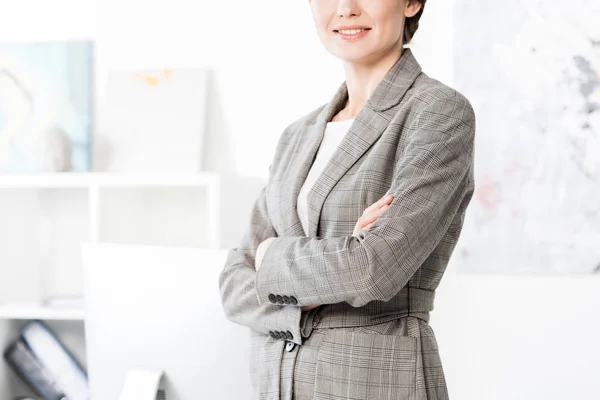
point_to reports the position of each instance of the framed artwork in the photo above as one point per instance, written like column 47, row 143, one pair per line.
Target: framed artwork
column 153, row 120
column 532, row 72
column 46, row 103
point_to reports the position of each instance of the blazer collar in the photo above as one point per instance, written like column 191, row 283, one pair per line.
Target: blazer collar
column 395, row 83
column 368, row 125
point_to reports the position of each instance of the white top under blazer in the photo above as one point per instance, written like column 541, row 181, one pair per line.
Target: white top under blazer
column 333, row 135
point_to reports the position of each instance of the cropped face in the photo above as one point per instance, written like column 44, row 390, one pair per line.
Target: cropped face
column 362, row 30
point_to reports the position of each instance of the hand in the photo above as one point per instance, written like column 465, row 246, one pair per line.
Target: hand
column 260, row 252
column 371, row 214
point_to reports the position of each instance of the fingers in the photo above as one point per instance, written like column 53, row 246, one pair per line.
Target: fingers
column 382, row 210
column 379, row 203
column 310, row 307
column 367, row 220
column 371, row 213
column 376, row 215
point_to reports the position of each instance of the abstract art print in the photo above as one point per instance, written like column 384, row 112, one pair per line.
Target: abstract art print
column 153, row 120
column 532, row 71
column 46, row 104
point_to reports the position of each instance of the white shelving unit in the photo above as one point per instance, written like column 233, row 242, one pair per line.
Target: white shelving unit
column 88, row 179
column 36, row 310
column 44, row 218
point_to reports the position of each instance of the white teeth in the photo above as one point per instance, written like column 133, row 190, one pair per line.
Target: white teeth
column 351, row 31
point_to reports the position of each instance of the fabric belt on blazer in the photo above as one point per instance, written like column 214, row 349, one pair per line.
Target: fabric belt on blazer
column 408, row 302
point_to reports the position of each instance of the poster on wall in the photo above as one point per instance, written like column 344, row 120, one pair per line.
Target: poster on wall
column 532, row 72
column 153, row 120
column 46, row 93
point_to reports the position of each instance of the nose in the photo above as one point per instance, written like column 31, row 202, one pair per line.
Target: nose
column 347, row 8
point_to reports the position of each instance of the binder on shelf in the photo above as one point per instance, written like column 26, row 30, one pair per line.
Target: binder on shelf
column 20, row 358
column 60, row 364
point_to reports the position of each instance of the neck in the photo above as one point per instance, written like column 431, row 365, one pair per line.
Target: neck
column 363, row 78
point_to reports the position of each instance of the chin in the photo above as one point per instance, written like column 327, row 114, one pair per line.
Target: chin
column 354, row 56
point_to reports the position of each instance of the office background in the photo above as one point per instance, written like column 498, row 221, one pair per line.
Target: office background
column 502, row 336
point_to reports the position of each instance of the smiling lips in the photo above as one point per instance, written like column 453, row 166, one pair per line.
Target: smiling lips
column 351, row 33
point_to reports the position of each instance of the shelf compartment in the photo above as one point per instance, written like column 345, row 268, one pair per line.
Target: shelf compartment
column 37, row 310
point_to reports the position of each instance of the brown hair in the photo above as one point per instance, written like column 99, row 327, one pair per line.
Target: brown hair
column 412, row 24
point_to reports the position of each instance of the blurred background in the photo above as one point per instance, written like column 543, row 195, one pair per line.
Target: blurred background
column 154, row 124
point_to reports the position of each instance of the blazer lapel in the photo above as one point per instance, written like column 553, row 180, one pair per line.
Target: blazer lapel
column 368, row 126
column 307, row 147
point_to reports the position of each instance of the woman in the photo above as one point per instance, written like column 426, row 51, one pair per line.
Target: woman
column 335, row 279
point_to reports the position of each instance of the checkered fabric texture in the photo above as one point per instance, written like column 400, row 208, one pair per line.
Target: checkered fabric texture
column 370, row 338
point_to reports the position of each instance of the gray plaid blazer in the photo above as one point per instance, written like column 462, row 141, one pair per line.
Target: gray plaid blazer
column 413, row 138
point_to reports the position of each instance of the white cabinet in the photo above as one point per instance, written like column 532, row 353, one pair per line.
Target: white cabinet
column 44, row 218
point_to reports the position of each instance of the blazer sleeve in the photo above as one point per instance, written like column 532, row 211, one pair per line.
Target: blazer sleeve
column 432, row 177
column 238, row 277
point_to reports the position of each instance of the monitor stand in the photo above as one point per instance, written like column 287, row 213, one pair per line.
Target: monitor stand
column 143, row 384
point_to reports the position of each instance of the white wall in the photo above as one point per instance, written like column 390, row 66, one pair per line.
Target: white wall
column 268, row 66
column 500, row 338
column 519, row 338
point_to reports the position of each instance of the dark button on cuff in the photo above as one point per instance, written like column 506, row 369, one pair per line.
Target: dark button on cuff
column 289, row 335
column 277, row 335
column 293, row 300
column 272, row 298
column 286, row 300
column 272, row 334
column 279, row 299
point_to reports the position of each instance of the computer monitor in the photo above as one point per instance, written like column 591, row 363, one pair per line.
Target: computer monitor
column 159, row 308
